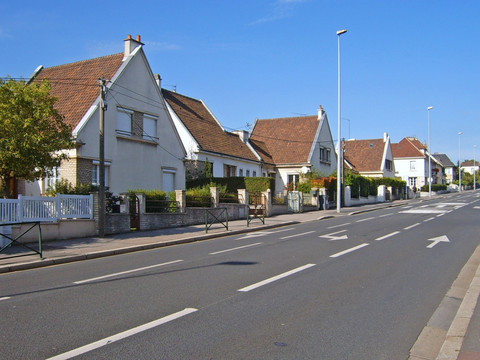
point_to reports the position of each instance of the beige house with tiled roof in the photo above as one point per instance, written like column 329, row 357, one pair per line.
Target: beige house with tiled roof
column 204, row 139
column 295, row 145
column 142, row 147
column 411, row 160
column 370, row 158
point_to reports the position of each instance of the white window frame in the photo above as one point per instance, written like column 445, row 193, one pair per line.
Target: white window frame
column 96, row 173
column 149, row 127
column 124, row 121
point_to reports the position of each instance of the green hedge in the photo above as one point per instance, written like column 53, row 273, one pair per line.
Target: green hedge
column 232, row 184
column 435, row 187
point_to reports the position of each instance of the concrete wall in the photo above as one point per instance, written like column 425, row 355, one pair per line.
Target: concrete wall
column 61, row 230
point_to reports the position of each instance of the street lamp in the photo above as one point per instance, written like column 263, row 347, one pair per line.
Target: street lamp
column 474, row 168
column 339, row 152
column 429, row 155
column 459, row 164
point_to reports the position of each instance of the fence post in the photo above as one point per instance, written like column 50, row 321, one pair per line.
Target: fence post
column 242, row 196
column 215, row 194
column 181, row 198
column 348, row 196
column 268, row 202
column 20, row 208
column 57, row 206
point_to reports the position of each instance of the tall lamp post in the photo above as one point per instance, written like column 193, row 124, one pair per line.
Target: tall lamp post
column 429, row 155
column 474, row 168
column 339, row 152
column 459, row 164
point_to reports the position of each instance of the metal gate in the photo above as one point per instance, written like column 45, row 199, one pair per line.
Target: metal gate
column 134, row 203
column 295, row 201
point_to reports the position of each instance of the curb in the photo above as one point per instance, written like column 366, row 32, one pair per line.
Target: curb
column 443, row 336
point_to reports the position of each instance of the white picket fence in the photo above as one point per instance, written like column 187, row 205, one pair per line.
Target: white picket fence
column 36, row 208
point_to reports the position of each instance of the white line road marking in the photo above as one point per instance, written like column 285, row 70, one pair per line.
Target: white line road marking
column 233, row 249
column 388, row 235
column 5, row 298
column 411, row 226
column 419, row 211
column 275, row 278
column 385, row 215
column 349, row 250
column 370, row 218
column 295, row 235
column 440, row 215
column 126, row 272
column 262, row 233
column 476, row 207
column 335, row 226
column 122, row 335
column 429, row 219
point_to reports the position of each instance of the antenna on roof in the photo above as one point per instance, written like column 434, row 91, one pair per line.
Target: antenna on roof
column 174, row 87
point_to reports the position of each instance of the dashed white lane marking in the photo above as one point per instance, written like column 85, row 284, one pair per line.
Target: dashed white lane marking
column 388, row 235
column 5, row 298
column 233, row 249
column 385, row 215
column 349, row 250
column 411, row 226
column 335, row 226
column 126, row 272
column 122, row 335
column 296, row 235
column 275, row 278
column 370, row 218
column 429, row 219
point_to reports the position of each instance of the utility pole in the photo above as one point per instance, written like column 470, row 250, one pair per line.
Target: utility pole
column 101, row 188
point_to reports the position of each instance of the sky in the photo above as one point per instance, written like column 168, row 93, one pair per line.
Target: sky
column 249, row 59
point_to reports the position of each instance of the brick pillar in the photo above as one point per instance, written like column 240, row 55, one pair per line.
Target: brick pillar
column 95, row 211
column 181, row 198
column 125, row 204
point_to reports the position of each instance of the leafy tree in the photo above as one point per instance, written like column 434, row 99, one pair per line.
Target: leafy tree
column 32, row 132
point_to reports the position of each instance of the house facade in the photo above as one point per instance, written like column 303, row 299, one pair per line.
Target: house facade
column 470, row 166
column 411, row 160
column 142, row 147
column 448, row 167
column 204, row 139
column 293, row 146
column 370, row 158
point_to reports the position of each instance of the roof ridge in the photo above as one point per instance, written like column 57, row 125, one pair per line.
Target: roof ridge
column 289, row 117
column 185, row 96
column 82, row 61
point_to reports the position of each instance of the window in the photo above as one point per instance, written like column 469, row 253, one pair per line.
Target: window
column 240, row 172
column 248, row 173
column 254, row 173
column 149, row 127
column 168, row 180
column 96, row 173
column 413, row 165
column 412, row 182
column 124, row 121
column 293, row 181
column 136, row 124
column 229, row 170
column 388, row 165
column 325, row 155
column 52, row 180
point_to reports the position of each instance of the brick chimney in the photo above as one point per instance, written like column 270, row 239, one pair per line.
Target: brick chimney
column 131, row 44
column 158, row 79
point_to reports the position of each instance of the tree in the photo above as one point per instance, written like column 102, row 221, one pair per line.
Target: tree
column 32, row 132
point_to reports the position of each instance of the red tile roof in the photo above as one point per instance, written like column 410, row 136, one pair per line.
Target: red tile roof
column 288, row 140
column 205, row 129
column 75, row 85
column 365, row 155
column 408, row 148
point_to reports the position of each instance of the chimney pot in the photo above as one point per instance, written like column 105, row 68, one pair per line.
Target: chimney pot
column 129, row 37
column 138, row 38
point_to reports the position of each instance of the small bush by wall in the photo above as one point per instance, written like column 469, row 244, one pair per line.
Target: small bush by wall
column 232, row 184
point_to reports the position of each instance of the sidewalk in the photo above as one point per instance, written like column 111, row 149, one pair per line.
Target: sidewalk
column 454, row 318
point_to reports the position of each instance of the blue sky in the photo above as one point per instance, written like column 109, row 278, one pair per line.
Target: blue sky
column 278, row 58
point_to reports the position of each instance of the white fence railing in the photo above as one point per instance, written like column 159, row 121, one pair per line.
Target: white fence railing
column 36, row 208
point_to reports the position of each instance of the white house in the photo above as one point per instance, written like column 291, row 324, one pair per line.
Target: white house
column 205, row 139
column 294, row 145
column 142, row 147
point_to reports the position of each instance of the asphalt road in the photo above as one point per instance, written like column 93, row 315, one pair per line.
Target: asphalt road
column 357, row 287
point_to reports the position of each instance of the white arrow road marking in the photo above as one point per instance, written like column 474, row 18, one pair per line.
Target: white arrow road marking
column 331, row 236
column 122, row 335
column 437, row 240
column 275, row 278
